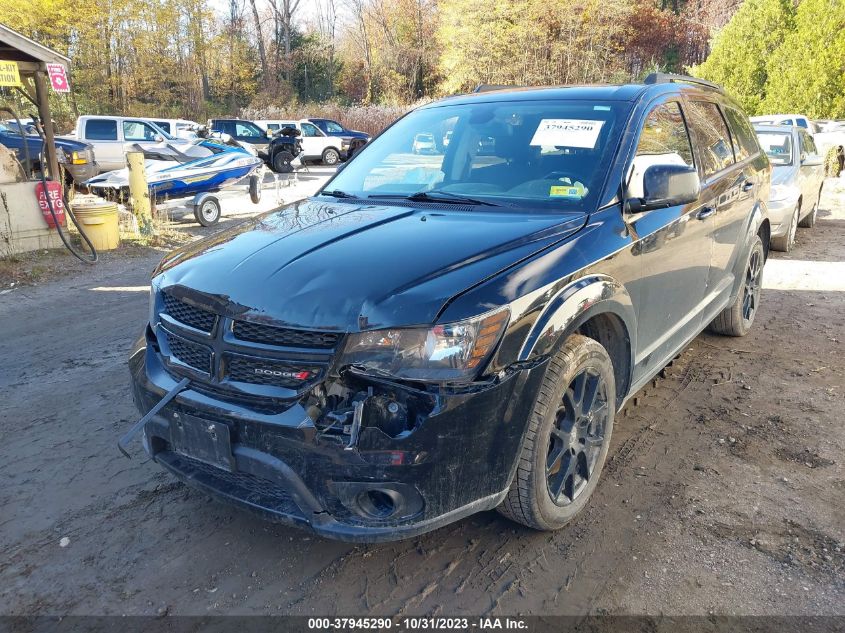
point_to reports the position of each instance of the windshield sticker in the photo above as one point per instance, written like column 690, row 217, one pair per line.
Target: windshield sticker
column 567, row 133
column 575, row 191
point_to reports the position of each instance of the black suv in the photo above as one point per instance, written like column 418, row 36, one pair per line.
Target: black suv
column 277, row 151
column 432, row 336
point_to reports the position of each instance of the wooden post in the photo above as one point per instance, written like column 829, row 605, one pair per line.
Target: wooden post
column 139, row 192
column 47, row 123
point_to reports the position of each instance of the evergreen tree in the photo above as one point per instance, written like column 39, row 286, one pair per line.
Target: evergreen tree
column 741, row 50
column 807, row 72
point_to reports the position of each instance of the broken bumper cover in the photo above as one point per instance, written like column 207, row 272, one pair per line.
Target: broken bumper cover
column 458, row 460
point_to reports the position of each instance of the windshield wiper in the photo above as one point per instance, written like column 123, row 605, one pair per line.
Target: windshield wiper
column 337, row 193
column 438, row 195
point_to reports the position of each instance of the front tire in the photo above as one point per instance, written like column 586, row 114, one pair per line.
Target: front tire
column 737, row 319
column 785, row 243
column 567, row 439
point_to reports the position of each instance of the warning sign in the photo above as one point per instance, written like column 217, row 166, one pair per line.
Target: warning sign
column 9, row 75
column 58, row 77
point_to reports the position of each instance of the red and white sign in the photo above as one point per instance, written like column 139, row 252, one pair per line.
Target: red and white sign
column 55, row 191
column 58, row 77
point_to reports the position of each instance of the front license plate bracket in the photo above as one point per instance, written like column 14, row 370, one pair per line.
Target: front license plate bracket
column 203, row 440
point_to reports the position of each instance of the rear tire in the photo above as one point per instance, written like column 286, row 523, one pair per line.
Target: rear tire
column 281, row 162
column 809, row 221
column 785, row 243
column 331, row 156
column 255, row 189
column 737, row 319
column 567, row 439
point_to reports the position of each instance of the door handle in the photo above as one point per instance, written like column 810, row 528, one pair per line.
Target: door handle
column 747, row 185
column 705, row 213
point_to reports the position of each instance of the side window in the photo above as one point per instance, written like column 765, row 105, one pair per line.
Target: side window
column 247, row 130
column 332, row 127
column 101, row 129
column 712, row 135
column 742, row 134
column 808, row 145
column 802, row 123
column 664, row 140
column 164, row 125
column 309, row 130
column 138, row 131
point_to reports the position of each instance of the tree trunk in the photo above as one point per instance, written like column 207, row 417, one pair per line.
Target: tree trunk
column 262, row 53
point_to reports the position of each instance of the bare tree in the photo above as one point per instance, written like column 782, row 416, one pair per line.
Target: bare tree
column 259, row 36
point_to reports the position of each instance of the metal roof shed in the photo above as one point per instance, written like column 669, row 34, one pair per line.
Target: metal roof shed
column 32, row 59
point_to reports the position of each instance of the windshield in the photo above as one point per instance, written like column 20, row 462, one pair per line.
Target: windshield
column 543, row 154
column 778, row 147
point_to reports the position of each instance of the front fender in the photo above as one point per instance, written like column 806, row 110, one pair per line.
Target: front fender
column 573, row 306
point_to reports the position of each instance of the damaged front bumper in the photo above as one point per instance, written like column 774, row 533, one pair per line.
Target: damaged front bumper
column 392, row 462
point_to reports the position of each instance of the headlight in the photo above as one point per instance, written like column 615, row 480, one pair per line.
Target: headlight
column 782, row 192
column 79, row 158
column 443, row 353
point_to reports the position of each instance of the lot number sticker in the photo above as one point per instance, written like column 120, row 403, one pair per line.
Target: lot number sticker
column 567, row 133
column 9, row 75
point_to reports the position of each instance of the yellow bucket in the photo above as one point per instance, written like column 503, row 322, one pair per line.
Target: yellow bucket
column 98, row 221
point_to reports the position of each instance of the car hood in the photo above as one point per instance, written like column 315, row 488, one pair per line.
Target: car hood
column 352, row 134
column 67, row 144
column 784, row 174
column 348, row 267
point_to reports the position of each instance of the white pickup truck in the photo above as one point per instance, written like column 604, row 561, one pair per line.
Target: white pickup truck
column 110, row 136
column 316, row 145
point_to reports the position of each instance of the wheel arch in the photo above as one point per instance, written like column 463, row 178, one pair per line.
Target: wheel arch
column 598, row 307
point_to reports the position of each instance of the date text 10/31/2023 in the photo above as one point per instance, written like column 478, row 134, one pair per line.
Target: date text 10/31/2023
column 418, row 624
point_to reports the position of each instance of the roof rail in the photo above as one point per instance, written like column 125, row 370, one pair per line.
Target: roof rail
column 666, row 78
column 492, row 87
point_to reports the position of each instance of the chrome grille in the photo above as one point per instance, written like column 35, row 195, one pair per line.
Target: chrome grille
column 189, row 314
column 286, row 337
column 190, row 353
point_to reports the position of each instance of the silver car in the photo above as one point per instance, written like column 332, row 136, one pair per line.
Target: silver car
column 797, row 179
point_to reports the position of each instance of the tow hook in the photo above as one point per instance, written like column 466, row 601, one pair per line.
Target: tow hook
column 124, row 441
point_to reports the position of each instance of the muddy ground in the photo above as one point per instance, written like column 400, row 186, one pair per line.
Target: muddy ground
column 724, row 490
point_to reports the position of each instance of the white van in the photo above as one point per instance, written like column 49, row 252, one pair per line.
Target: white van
column 109, row 136
column 316, row 145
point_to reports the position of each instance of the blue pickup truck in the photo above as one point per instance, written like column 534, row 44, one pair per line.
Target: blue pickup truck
column 76, row 157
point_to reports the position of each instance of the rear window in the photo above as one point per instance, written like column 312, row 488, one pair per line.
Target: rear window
column 101, row 129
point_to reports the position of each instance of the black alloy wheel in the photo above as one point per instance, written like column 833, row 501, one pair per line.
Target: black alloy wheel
column 576, row 437
column 753, row 287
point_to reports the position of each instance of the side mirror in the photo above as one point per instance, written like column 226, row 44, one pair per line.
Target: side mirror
column 158, row 138
column 667, row 186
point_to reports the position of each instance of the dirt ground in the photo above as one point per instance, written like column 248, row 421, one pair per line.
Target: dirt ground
column 723, row 493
